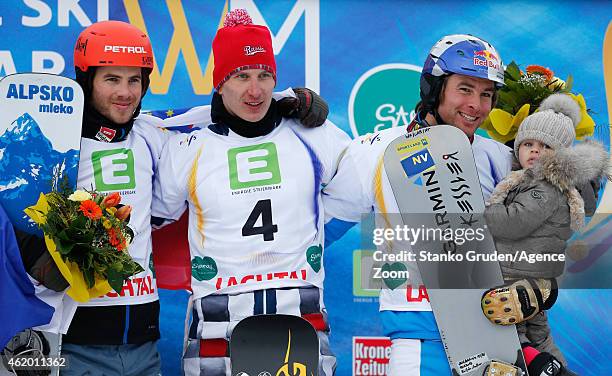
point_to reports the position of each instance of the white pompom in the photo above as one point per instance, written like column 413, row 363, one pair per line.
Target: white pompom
column 564, row 104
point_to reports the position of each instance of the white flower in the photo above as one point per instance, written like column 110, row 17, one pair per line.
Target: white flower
column 79, row 195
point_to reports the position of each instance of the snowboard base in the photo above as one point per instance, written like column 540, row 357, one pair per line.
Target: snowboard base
column 280, row 345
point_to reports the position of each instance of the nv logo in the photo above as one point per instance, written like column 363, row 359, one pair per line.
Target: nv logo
column 113, row 169
column 420, row 158
column 253, row 166
column 418, row 162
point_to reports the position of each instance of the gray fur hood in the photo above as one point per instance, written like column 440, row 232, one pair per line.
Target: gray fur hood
column 566, row 168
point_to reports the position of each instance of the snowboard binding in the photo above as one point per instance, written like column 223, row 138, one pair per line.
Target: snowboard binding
column 499, row 368
column 28, row 343
column 518, row 301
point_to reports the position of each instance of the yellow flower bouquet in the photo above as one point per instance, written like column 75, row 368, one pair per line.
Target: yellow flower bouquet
column 522, row 95
column 87, row 236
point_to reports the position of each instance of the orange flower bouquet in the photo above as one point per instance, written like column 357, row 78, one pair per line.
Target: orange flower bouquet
column 87, row 235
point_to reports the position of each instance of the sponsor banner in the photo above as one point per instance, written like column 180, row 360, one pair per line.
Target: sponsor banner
column 378, row 102
column 371, row 356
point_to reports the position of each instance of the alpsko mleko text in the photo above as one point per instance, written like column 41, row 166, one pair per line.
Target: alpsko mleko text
column 44, row 93
column 521, row 256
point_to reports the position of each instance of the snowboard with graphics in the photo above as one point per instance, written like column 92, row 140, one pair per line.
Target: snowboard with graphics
column 40, row 139
column 435, row 183
column 280, row 345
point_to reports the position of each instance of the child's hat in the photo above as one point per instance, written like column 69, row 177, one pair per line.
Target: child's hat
column 553, row 124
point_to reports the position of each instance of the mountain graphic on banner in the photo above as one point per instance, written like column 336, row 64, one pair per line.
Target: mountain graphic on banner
column 29, row 165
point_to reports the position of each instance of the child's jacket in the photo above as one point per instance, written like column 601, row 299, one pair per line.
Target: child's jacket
column 536, row 210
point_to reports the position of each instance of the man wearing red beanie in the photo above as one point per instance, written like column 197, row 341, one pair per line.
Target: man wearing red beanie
column 251, row 181
column 239, row 45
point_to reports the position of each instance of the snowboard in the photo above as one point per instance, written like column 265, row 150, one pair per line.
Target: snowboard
column 435, row 183
column 40, row 139
column 34, row 352
column 277, row 345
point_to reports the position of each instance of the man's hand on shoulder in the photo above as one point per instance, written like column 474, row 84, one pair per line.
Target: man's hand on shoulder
column 309, row 107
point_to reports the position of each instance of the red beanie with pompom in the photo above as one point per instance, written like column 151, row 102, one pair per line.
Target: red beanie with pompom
column 240, row 45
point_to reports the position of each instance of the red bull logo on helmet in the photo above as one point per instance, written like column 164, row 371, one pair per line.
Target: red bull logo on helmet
column 485, row 58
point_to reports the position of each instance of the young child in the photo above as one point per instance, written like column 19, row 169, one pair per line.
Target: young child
column 534, row 211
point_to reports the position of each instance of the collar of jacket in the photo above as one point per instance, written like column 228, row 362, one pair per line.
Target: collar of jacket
column 240, row 126
column 571, row 167
column 97, row 127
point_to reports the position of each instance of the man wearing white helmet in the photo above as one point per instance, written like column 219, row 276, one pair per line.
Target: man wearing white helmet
column 459, row 84
column 459, row 81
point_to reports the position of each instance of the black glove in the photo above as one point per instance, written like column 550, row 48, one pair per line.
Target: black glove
column 545, row 364
column 590, row 194
column 38, row 261
column 309, row 107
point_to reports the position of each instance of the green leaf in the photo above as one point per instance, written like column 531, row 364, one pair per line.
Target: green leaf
column 97, row 250
column 513, row 71
column 117, row 266
column 115, row 280
column 89, row 277
column 138, row 269
column 63, row 235
column 79, row 222
column 569, row 83
column 87, row 237
column 64, row 247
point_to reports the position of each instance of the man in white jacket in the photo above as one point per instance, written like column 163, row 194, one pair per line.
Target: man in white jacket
column 458, row 87
column 251, row 181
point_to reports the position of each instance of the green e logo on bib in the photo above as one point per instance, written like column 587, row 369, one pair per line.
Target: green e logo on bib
column 113, row 169
column 253, row 166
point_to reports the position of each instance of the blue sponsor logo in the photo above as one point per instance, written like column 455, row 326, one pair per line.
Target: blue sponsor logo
column 42, row 92
column 50, row 93
column 418, row 162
